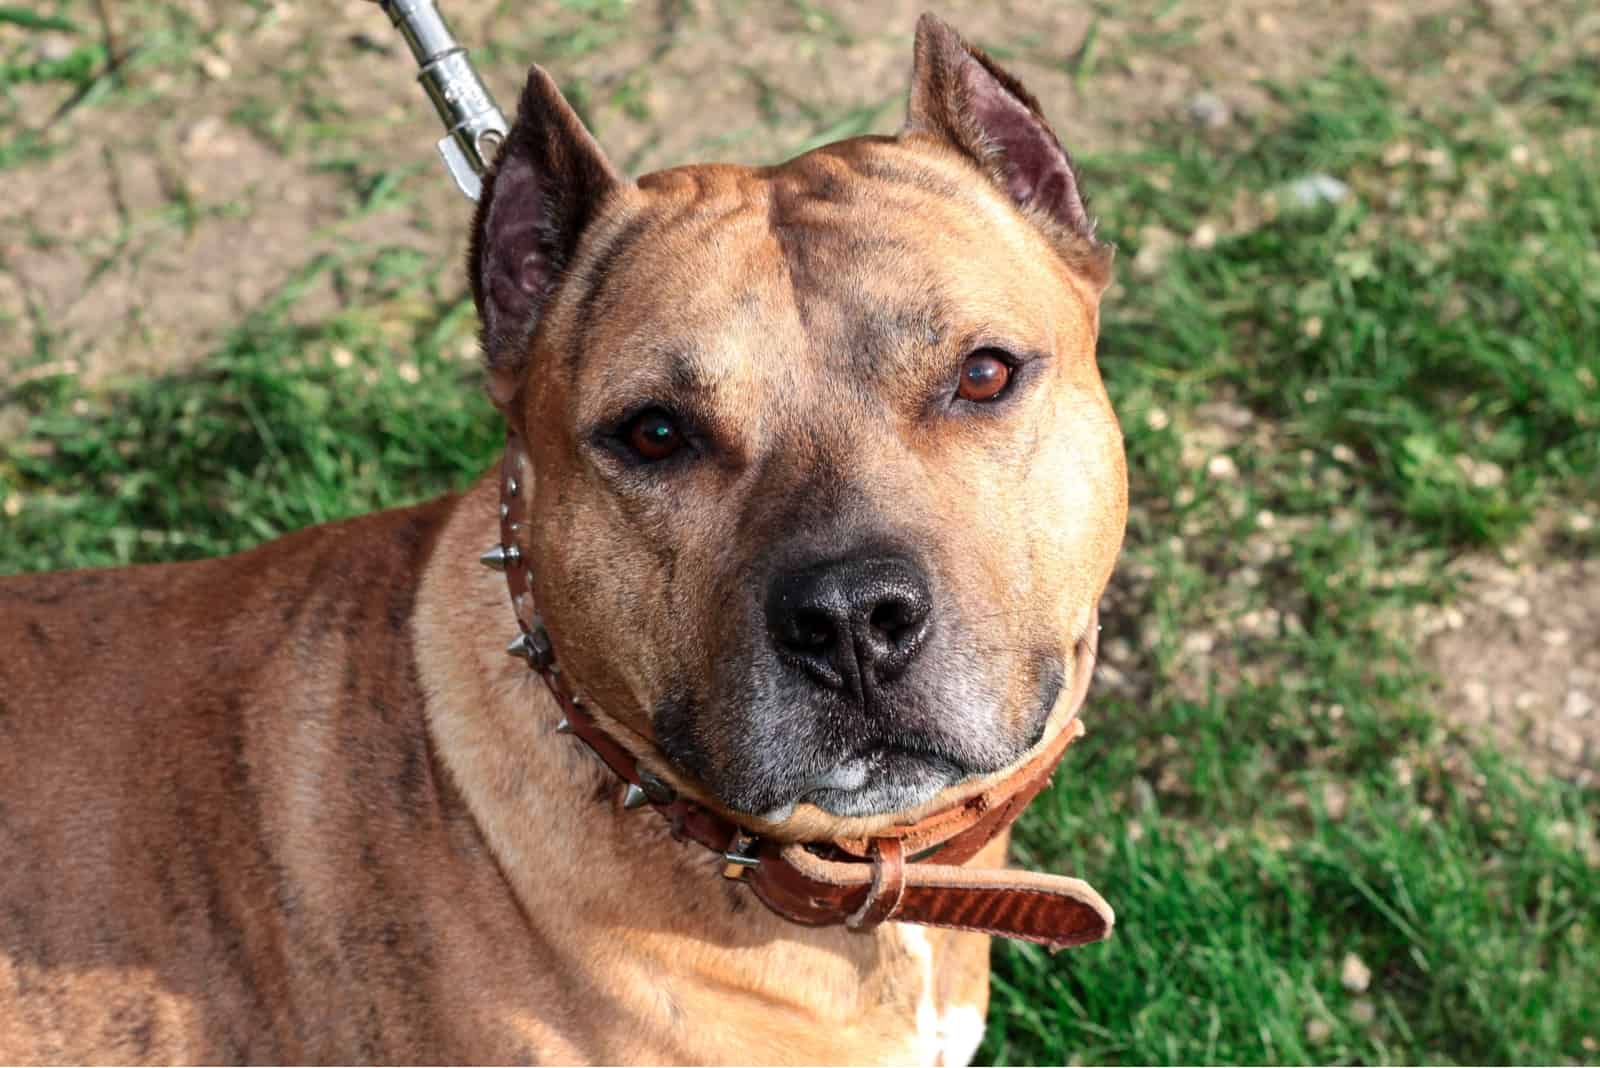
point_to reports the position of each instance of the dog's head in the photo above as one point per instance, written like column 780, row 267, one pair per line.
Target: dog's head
column 827, row 482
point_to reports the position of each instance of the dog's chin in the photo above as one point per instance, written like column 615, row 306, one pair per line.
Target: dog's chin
column 875, row 783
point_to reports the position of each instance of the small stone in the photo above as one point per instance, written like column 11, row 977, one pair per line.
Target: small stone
column 1517, row 607
column 1404, row 774
column 1336, row 800
column 216, row 68
column 1362, row 1011
column 1578, row 704
column 1312, row 328
column 1557, row 637
column 1317, row 1031
column 1565, row 742
column 1199, row 643
column 1315, row 190
column 53, row 48
column 1157, row 419
column 1396, row 153
column 1209, row 111
column 1344, row 454
column 13, row 505
column 1204, row 236
column 1156, row 245
column 1354, row 975
column 1222, row 468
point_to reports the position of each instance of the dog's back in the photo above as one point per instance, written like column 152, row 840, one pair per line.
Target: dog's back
column 190, row 756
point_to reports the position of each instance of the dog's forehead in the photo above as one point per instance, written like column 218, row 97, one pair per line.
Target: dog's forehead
column 861, row 255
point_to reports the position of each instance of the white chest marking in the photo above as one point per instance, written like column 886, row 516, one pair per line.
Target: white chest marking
column 948, row 1039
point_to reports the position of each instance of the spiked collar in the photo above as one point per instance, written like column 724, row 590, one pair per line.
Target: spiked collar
column 910, row 873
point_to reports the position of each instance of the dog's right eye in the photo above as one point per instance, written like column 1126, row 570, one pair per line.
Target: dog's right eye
column 653, row 436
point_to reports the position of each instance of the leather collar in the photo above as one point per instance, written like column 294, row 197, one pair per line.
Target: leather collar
column 913, row 873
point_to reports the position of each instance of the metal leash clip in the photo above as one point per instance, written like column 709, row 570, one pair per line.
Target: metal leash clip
column 476, row 125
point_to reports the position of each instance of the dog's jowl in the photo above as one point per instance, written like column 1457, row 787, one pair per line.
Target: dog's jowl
column 811, row 491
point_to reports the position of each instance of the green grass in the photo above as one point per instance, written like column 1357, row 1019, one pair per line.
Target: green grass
column 1252, row 825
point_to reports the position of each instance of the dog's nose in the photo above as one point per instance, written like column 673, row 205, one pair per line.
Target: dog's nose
column 850, row 624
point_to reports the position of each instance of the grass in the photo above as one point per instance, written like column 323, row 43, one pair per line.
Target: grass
column 1322, row 405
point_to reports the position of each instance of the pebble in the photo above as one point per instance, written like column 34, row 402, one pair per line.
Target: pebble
column 1199, row 643
column 1565, row 742
column 216, row 68
column 1222, row 468
column 1336, row 800
column 1362, row 1011
column 53, row 48
column 1155, row 246
column 1317, row 1031
column 1354, row 975
column 1209, row 111
column 1314, row 190
column 1578, row 705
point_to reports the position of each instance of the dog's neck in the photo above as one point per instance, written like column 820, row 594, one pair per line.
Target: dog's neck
column 550, row 813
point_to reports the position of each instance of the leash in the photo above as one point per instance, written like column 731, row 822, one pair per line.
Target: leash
column 913, row 873
column 475, row 125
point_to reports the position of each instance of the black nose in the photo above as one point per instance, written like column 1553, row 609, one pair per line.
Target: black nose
column 850, row 624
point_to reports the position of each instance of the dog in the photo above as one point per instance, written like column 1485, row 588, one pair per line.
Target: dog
column 811, row 491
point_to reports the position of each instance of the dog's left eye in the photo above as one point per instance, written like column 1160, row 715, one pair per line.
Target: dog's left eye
column 653, row 436
column 984, row 376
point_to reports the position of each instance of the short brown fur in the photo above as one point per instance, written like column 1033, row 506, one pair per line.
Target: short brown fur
column 297, row 804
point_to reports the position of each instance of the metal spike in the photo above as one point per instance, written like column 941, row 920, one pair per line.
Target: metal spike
column 500, row 556
column 541, row 654
column 534, row 648
column 633, row 797
column 565, row 726
column 657, row 790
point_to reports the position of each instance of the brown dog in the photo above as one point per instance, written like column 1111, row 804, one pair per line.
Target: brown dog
column 825, row 490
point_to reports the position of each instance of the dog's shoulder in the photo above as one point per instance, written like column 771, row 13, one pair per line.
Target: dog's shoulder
column 181, row 745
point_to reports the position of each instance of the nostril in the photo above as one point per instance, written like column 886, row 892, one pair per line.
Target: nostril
column 813, row 631
column 891, row 618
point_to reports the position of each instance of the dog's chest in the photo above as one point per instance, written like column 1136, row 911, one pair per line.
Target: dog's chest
column 947, row 1032
column 917, row 998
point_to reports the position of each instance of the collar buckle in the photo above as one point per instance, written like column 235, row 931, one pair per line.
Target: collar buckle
column 741, row 856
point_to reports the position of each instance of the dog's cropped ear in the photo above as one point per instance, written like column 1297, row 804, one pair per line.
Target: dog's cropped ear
column 543, row 190
column 962, row 96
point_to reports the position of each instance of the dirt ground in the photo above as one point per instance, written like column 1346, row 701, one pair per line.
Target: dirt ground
column 242, row 140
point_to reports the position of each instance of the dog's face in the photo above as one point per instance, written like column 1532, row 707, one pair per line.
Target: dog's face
column 828, row 483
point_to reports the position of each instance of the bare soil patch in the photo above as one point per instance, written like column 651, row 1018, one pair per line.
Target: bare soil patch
column 1518, row 654
column 243, row 140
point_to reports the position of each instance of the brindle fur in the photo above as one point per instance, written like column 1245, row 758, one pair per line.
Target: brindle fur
column 297, row 805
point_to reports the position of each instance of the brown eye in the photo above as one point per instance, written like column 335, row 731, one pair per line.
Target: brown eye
column 654, row 436
column 983, row 376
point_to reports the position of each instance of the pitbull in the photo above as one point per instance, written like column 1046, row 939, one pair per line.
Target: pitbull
column 811, row 491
